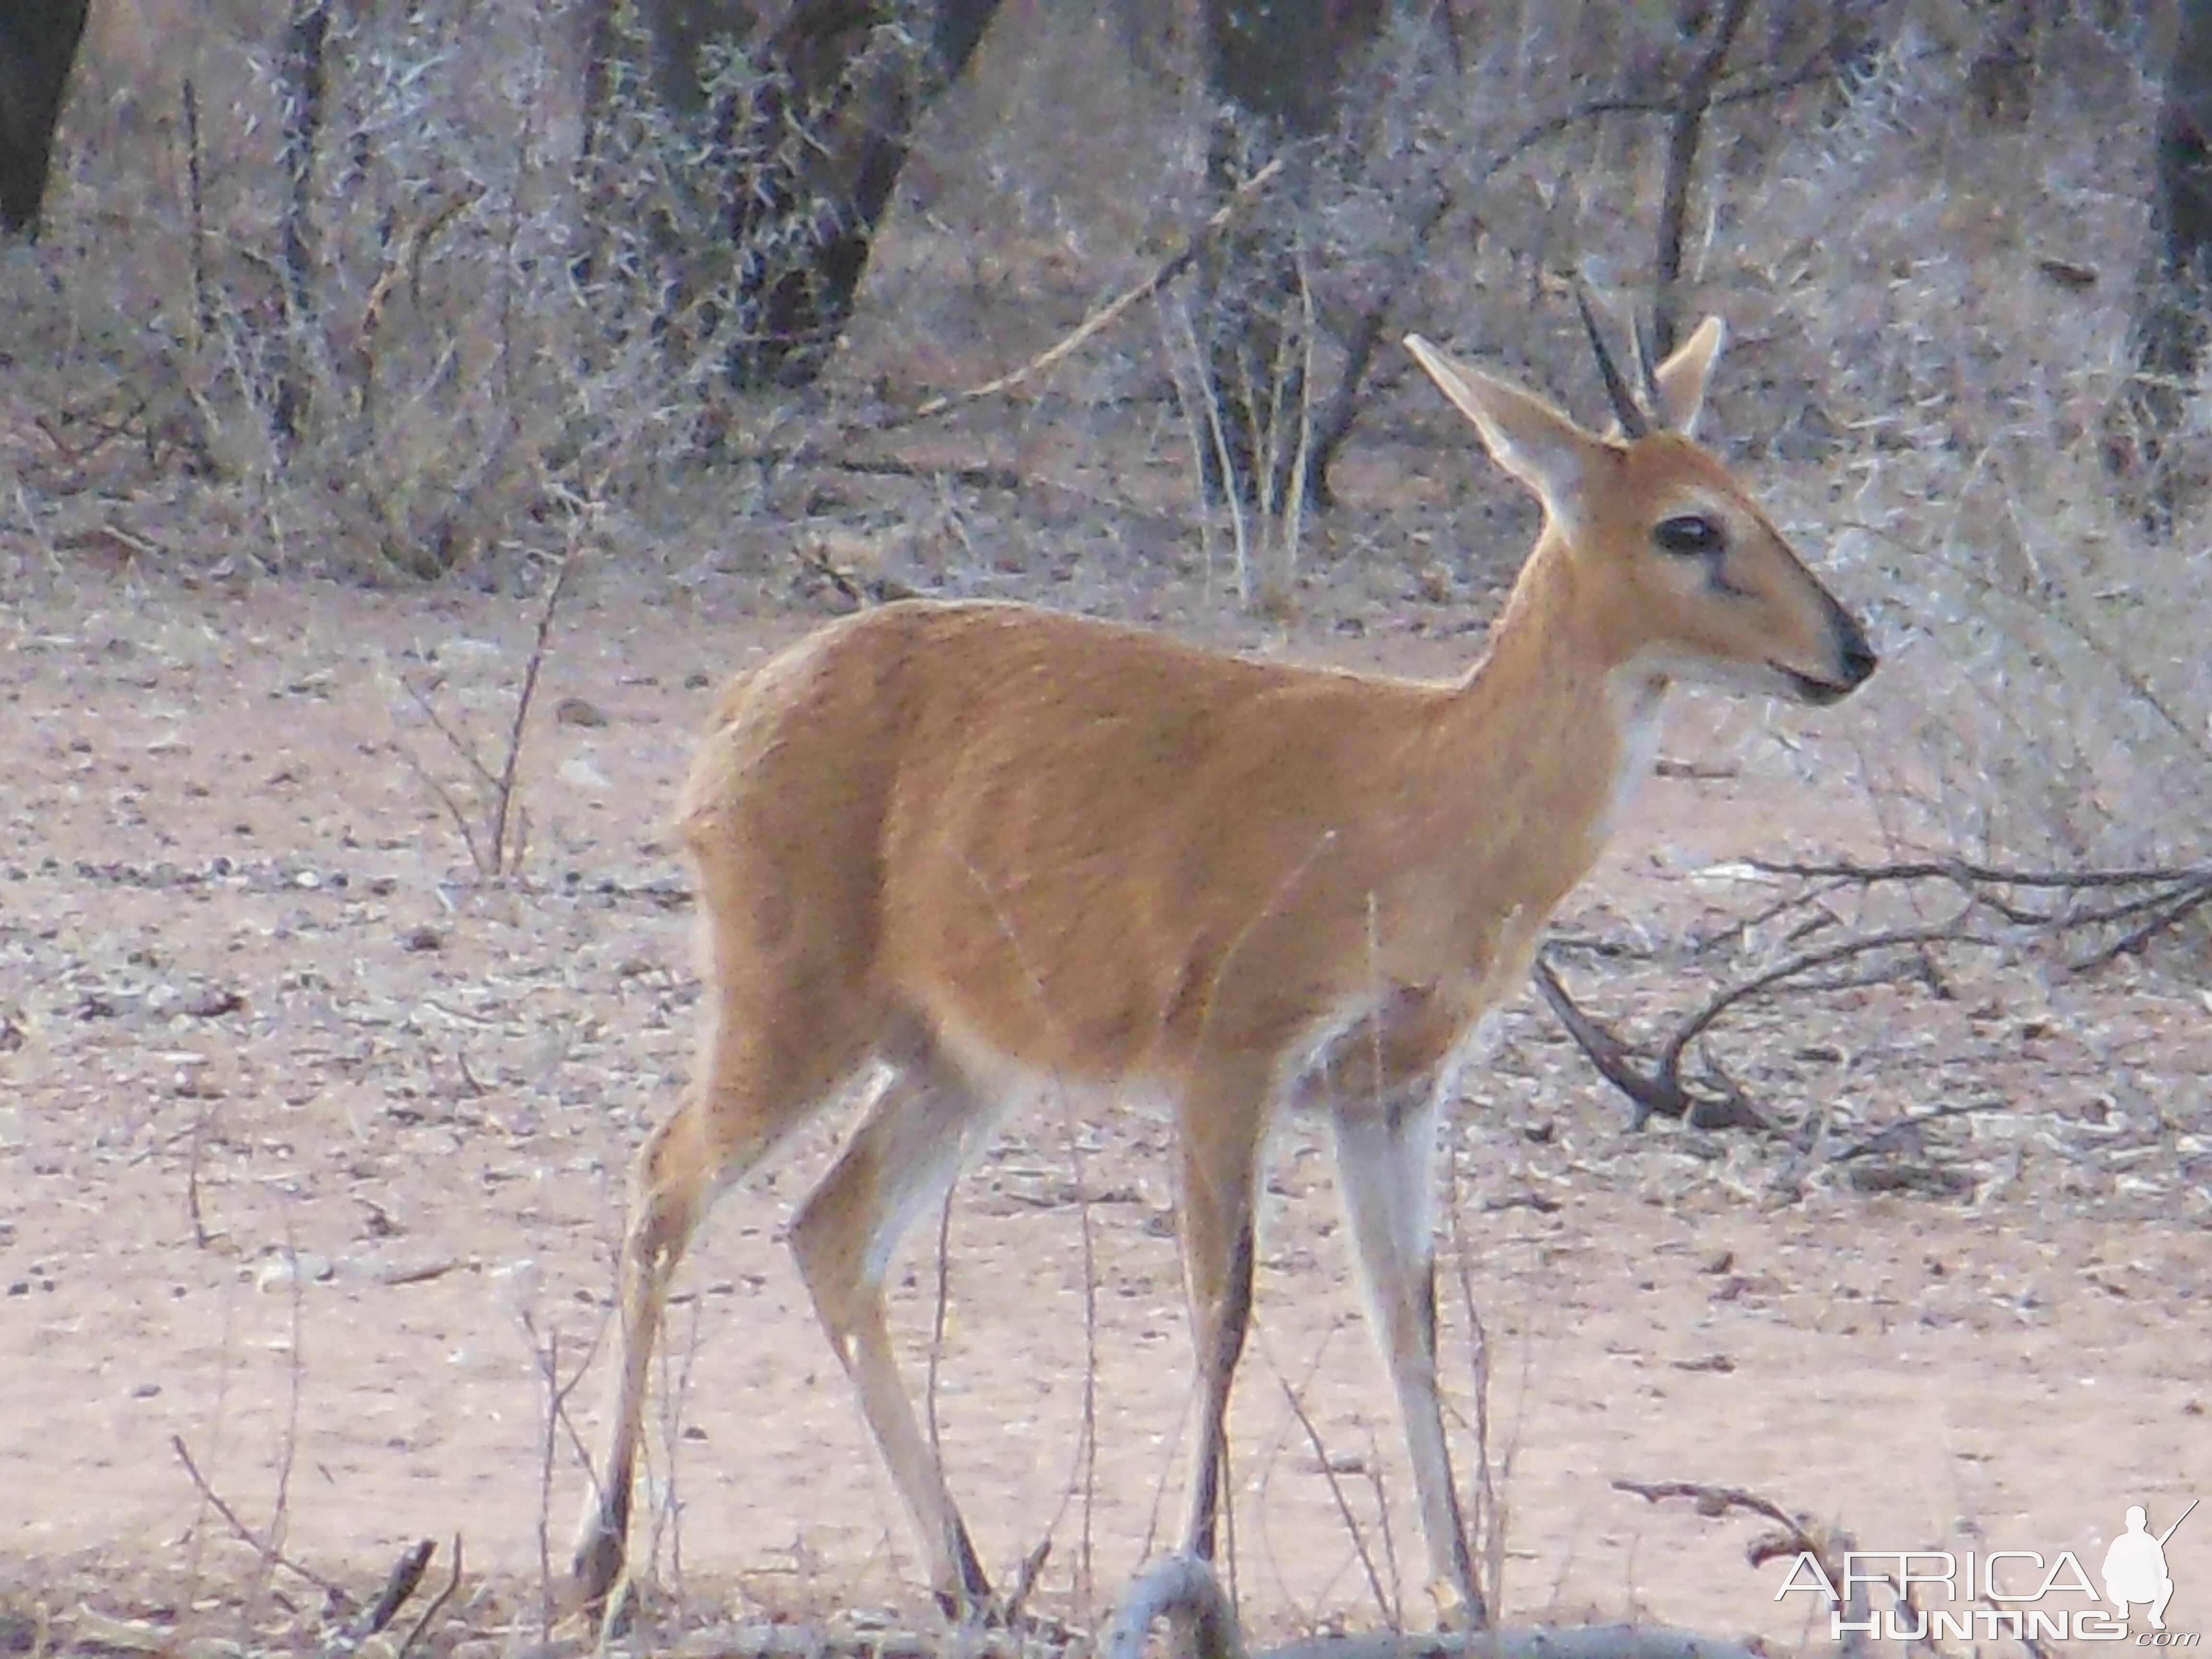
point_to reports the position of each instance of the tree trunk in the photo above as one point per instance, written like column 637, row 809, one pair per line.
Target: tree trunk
column 2170, row 310
column 2000, row 77
column 1685, row 133
column 1275, row 69
column 804, row 127
column 38, row 43
column 304, row 77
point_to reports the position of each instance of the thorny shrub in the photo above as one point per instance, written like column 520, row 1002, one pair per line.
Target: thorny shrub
column 486, row 334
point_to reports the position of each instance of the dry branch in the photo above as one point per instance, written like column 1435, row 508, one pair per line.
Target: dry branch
column 813, row 452
column 1653, row 1093
column 2169, row 895
column 304, row 80
column 1107, row 314
column 1685, row 134
column 1660, row 1091
column 405, row 1576
column 1383, row 1599
column 1442, row 202
column 2132, row 907
column 1524, row 1642
column 403, row 261
column 495, row 845
column 267, row 1551
column 1966, row 873
column 1333, row 424
column 1891, row 1135
column 1713, row 1502
column 1184, row 1589
column 437, row 1604
column 506, row 848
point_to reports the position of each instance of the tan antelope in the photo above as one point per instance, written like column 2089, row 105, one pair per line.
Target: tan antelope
column 1002, row 852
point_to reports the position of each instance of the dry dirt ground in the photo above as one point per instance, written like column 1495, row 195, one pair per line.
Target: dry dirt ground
column 252, row 989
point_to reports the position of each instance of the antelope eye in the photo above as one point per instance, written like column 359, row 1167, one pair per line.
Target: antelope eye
column 1688, row 536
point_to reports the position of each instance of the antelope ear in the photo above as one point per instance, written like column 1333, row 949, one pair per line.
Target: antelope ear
column 1682, row 377
column 1533, row 441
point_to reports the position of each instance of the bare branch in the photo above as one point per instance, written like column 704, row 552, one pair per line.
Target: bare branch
column 253, row 1539
column 1614, row 1060
column 1891, row 1134
column 438, row 1605
column 1384, row 1601
column 401, row 1583
column 505, row 852
column 2168, row 915
column 1714, row 1502
column 1966, row 873
column 1684, row 136
column 1660, row 1091
column 1183, row 1588
column 1107, row 314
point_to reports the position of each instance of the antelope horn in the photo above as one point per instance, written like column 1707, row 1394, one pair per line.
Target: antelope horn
column 1647, row 367
column 1633, row 421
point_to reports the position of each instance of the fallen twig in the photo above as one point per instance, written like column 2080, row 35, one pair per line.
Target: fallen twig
column 1890, row 1134
column 1660, row 1092
column 405, row 1576
column 1384, row 1601
column 1714, row 1502
column 2177, row 892
column 1948, row 932
column 2169, row 914
column 1615, row 1061
column 1966, row 872
column 1183, row 1588
column 193, row 1212
column 268, row 1552
column 452, row 1583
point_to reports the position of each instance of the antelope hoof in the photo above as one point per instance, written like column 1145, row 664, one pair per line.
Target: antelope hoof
column 975, row 1604
column 1459, row 1609
column 970, row 1600
column 598, row 1562
column 967, row 1609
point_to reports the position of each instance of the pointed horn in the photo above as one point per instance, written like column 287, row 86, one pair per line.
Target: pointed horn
column 1647, row 367
column 1633, row 422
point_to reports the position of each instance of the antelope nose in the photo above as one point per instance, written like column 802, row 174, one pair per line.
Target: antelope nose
column 1856, row 656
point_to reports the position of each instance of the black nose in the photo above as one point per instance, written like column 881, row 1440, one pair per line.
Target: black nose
column 1858, row 659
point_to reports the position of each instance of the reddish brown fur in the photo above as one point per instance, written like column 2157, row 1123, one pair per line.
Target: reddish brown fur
column 993, row 847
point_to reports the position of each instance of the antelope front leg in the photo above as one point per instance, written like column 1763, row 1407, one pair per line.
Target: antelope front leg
column 1385, row 1152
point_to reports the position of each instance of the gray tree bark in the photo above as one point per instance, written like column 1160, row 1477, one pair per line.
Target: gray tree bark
column 2170, row 324
column 38, row 43
column 802, row 148
column 1275, row 69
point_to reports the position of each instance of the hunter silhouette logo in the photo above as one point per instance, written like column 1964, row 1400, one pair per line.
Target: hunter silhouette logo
column 2026, row 1595
column 2134, row 1566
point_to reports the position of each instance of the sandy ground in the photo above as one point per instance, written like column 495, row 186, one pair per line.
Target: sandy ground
column 250, row 987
